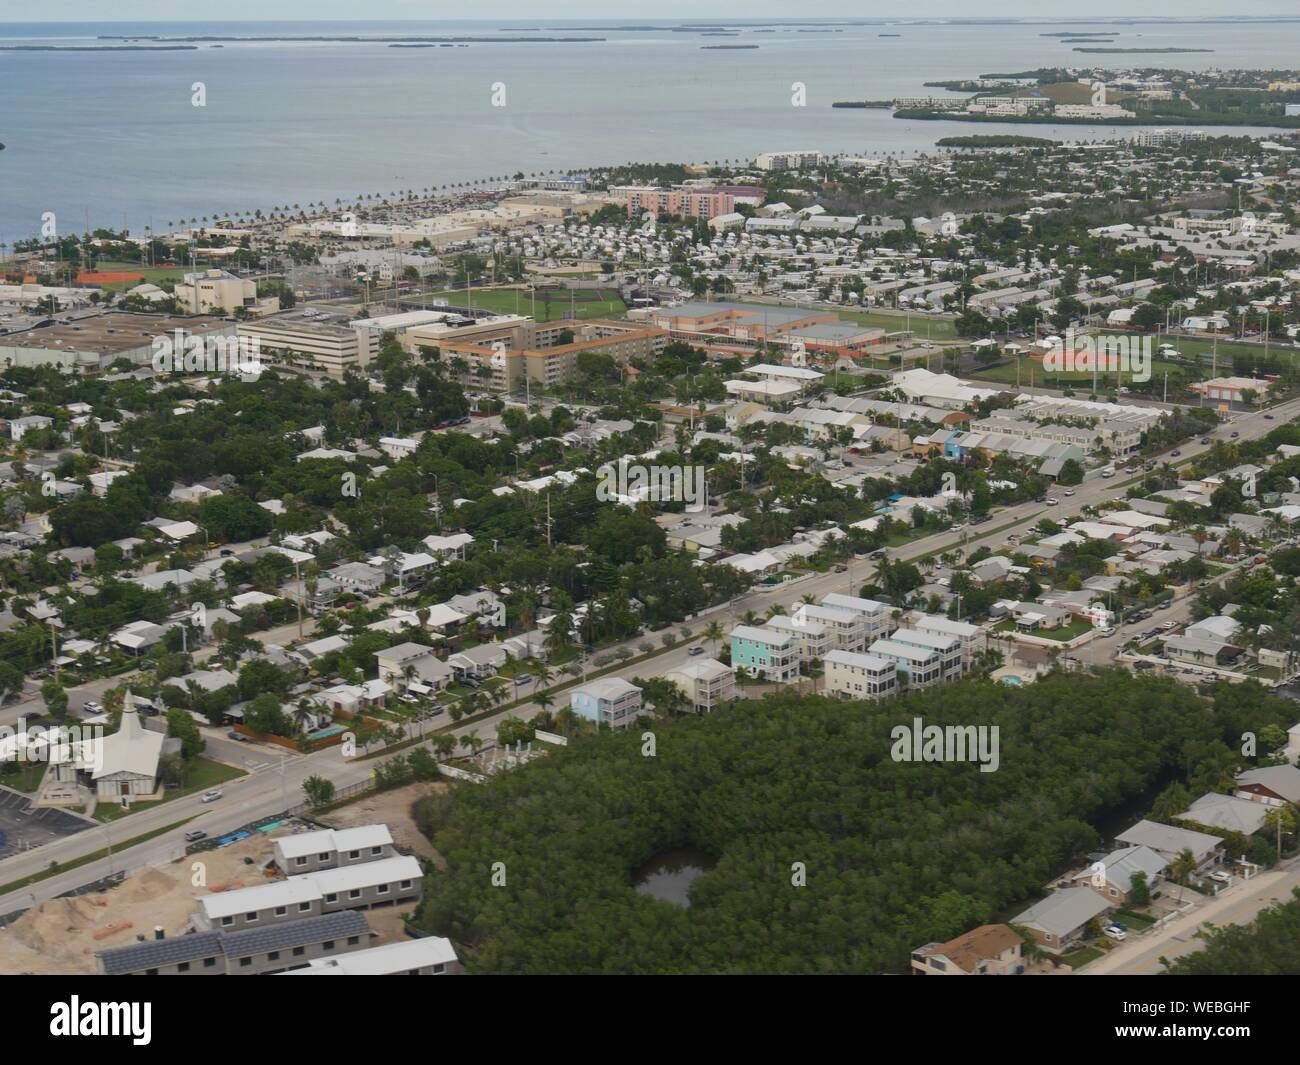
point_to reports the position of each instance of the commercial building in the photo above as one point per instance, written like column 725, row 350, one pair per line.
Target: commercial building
column 95, row 342
column 528, row 354
column 215, row 292
column 332, row 349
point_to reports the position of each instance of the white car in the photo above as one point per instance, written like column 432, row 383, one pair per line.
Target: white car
column 1051, row 502
column 212, row 796
column 1221, row 877
column 1113, row 931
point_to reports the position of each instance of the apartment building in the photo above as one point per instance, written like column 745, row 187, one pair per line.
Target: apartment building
column 689, row 201
column 306, row 852
column 779, row 161
column 847, row 628
column 215, row 292
column 771, row 654
column 252, row 952
column 332, row 349
column 877, row 618
column 707, row 683
column 916, row 667
column 973, row 638
column 812, row 637
column 348, row 887
column 609, row 701
column 858, row 676
column 948, row 648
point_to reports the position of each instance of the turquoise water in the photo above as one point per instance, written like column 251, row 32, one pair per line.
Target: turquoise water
column 1015, row 682
column 112, row 139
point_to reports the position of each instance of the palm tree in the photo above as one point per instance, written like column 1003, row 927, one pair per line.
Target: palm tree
column 470, row 742
column 713, row 633
column 1180, row 869
column 545, row 700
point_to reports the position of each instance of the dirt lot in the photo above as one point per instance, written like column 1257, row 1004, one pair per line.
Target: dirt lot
column 59, row 936
column 392, row 808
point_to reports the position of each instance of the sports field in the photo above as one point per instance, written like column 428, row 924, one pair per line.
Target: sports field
column 545, row 305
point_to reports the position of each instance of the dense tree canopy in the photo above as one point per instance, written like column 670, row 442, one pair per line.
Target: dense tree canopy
column 896, row 853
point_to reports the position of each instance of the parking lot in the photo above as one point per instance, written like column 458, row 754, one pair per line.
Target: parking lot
column 24, row 826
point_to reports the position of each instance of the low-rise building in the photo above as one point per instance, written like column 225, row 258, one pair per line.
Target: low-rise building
column 989, row 950
column 607, row 701
column 767, row 653
column 858, row 676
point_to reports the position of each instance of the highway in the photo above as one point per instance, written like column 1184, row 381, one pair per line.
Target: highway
column 272, row 788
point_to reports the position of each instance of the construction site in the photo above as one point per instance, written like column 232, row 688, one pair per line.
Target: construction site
column 62, row 936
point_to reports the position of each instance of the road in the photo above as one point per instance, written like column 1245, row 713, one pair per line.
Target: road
column 1238, row 904
column 270, row 789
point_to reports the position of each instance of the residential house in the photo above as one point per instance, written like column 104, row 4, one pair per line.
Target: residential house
column 858, row 676
column 1112, row 877
column 1275, row 785
column 1169, row 842
column 706, row 682
column 770, row 654
column 1061, row 919
column 989, row 950
column 428, row 956
column 609, row 700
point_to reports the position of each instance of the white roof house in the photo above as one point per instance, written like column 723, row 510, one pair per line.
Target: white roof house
column 362, row 875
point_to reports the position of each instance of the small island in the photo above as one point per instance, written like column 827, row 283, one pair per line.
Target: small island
column 996, row 140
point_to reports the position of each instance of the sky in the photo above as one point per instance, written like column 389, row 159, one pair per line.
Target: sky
column 604, row 11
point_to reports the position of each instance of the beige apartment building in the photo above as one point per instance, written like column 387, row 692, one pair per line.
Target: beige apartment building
column 215, row 292
column 333, row 349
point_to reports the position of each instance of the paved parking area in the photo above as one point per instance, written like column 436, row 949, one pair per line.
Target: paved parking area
column 24, row 826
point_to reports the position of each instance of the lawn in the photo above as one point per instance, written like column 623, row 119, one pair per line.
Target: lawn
column 202, row 774
column 550, row 305
column 1077, row 959
column 1139, row 922
column 27, row 779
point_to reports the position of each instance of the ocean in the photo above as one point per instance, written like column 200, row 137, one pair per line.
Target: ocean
column 112, row 138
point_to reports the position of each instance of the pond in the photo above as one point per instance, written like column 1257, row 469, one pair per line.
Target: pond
column 668, row 876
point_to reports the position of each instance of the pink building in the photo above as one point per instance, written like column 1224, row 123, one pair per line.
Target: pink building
column 688, row 201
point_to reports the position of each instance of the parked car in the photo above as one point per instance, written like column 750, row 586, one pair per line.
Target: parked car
column 696, row 650
column 523, row 678
column 93, row 707
column 213, row 795
column 1268, row 417
column 1068, row 492
column 1220, row 876
column 1113, row 931
column 194, row 835
column 144, row 667
column 226, row 552
column 1234, row 434
column 238, row 737
column 1175, row 454
column 1205, row 440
